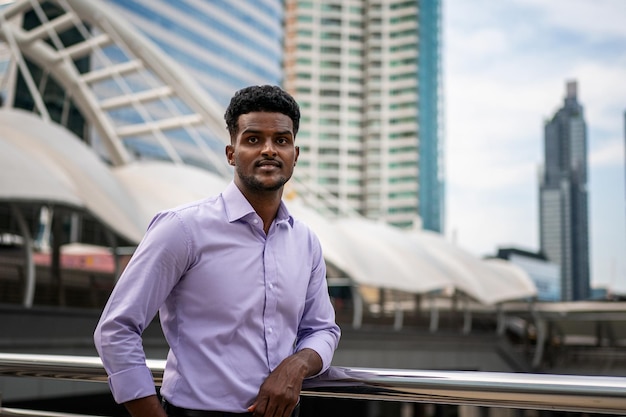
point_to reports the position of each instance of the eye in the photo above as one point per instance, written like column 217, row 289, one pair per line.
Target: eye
column 282, row 141
column 253, row 139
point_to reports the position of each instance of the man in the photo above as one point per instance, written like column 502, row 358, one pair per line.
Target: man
column 238, row 283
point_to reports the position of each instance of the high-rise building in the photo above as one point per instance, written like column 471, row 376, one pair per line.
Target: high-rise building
column 563, row 213
column 224, row 45
column 367, row 75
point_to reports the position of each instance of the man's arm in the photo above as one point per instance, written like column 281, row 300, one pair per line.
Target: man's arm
column 156, row 266
column 280, row 392
column 145, row 407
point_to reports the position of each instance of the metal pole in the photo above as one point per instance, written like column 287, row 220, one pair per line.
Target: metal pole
column 29, row 287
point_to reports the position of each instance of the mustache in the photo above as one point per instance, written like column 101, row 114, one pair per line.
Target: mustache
column 269, row 161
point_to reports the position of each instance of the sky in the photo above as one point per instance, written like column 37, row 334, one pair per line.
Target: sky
column 505, row 67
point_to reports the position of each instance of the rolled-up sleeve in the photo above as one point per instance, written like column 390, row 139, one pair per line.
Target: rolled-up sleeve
column 158, row 263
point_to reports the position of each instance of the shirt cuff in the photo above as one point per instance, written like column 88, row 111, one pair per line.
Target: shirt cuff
column 323, row 349
column 132, row 384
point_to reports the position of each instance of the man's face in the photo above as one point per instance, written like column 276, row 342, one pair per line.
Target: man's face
column 263, row 151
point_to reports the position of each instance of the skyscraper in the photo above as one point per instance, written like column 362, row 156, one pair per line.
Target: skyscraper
column 563, row 214
column 223, row 45
column 367, row 74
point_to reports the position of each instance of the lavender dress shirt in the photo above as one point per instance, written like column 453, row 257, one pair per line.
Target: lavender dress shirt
column 233, row 303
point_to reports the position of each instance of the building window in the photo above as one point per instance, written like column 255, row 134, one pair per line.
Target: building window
column 330, row 78
column 331, row 22
column 331, row 35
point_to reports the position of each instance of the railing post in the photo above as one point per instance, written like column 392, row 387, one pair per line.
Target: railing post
column 434, row 315
column 357, row 301
column 398, row 320
column 29, row 287
column 501, row 318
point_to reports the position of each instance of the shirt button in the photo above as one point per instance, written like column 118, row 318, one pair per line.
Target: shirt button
column 255, row 221
column 271, row 286
column 269, row 330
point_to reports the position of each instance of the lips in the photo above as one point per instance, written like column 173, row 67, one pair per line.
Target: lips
column 268, row 163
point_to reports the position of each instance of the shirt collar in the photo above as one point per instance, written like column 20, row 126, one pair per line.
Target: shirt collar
column 238, row 207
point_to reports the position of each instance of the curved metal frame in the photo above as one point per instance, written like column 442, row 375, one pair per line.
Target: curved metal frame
column 58, row 61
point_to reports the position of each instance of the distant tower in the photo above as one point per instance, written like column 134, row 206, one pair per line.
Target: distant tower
column 563, row 214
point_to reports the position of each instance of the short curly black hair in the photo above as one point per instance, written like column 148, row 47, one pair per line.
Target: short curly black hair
column 265, row 98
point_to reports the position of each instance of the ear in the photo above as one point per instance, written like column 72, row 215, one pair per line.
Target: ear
column 230, row 154
column 295, row 161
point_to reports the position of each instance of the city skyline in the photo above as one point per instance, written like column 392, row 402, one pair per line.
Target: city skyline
column 505, row 65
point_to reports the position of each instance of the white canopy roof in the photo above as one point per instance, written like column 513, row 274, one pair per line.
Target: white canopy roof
column 369, row 253
column 155, row 186
column 43, row 162
column 487, row 281
column 375, row 254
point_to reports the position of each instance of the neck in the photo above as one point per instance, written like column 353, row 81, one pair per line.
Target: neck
column 264, row 203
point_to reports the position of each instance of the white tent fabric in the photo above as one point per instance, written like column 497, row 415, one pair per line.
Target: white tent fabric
column 19, row 168
column 487, row 282
column 356, row 246
column 513, row 282
column 376, row 254
column 155, row 186
column 382, row 256
column 43, row 162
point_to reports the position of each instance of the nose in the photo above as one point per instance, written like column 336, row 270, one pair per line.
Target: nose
column 269, row 148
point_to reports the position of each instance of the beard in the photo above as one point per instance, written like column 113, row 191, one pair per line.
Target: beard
column 252, row 183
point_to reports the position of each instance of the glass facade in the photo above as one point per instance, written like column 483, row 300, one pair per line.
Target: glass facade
column 431, row 182
column 224, row 45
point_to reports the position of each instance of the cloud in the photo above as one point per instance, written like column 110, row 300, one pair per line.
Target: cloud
column 602, row 90
column 609, row 154
column 482, row 222
column 506, row 65
column 593, row 18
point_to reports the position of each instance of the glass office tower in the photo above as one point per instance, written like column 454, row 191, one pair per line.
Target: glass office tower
column 431, row 181
column 224, row 45
column 563, row 213
column 367, row 74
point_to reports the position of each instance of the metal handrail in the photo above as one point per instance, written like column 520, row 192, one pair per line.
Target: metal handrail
column 20, row 412
column 591, row 394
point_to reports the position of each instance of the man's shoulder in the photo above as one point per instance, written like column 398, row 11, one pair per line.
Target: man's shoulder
column 302, row 228
column 207, row 201
column 195, row 210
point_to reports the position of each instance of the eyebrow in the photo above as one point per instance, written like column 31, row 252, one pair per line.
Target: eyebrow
column 284, row 132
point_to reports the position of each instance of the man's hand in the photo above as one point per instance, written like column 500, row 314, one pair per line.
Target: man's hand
column 280, row 392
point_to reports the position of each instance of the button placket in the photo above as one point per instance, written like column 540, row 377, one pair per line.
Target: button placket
column 269, row 259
